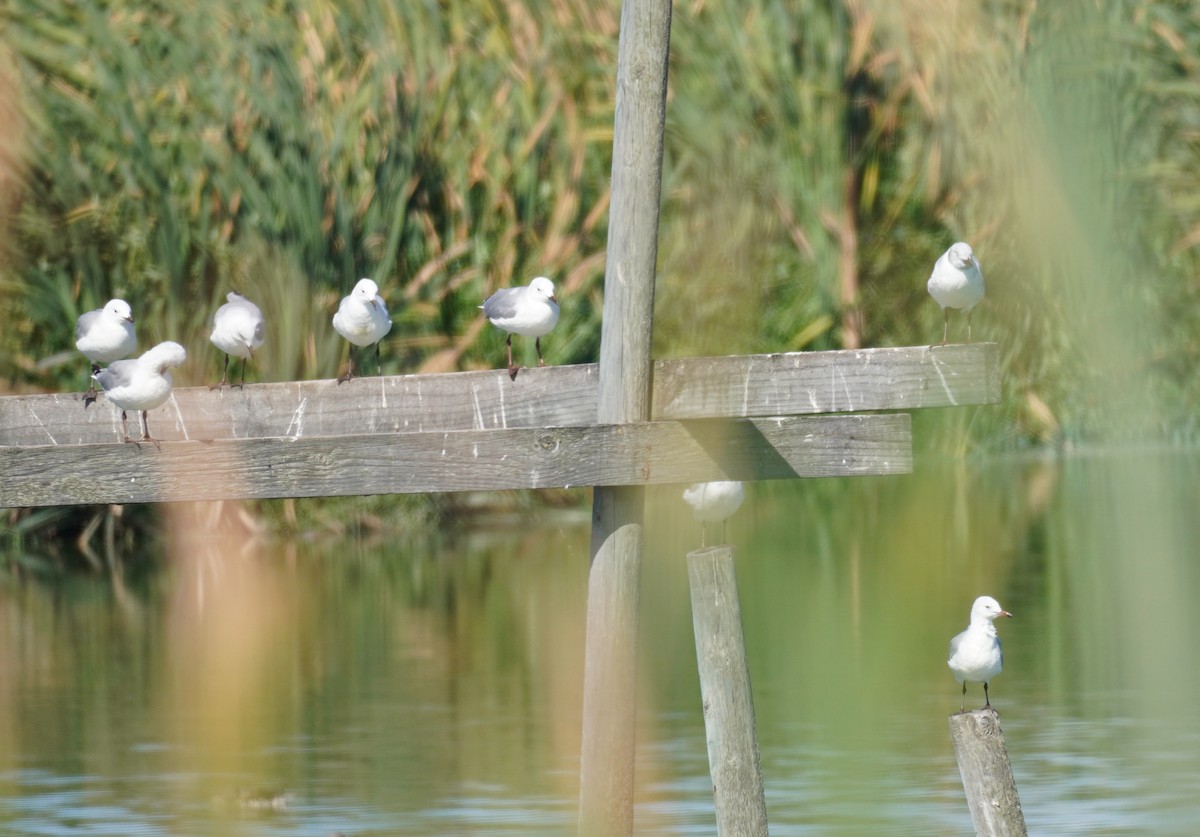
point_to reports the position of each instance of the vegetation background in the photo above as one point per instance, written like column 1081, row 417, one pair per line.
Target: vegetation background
column 819, row 157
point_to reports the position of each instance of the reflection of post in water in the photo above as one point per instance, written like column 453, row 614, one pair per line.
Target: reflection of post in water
column 733, row 757
column 987, row 774
column 229, row 627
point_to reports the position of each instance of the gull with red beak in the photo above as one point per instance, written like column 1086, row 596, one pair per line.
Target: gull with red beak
column 104, row 335
column 362, row 318
column 956, row 282
column 975, row 655
column 141, row 384
column 531, row 311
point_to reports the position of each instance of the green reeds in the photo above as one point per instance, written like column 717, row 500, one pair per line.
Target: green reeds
column 819, row 157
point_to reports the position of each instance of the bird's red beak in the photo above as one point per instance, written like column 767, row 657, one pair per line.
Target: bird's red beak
column 1006, row 613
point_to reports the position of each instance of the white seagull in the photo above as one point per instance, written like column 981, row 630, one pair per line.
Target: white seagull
column 238, row 329
column 956, row 282
column 104, row 335
column 531, row 311
column 975, row 655
column 141, row 384
column 713, row 502
column 362, row 318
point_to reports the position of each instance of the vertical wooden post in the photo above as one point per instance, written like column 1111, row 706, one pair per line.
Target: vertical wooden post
column 987, row 774
column 606, row 775
column 733, row 759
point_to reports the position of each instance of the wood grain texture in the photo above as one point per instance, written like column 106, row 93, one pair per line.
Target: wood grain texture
column 303, row 409
column 987, row 774
column 461, row 460
column 733, row 755
column 800, row 383
column 722, row 387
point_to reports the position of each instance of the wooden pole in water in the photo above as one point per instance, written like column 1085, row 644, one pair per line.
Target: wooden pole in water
column 733, row 759
column 606, row 775
column 987, row 774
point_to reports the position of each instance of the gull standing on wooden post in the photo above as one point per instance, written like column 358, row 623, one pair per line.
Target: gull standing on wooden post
column 956, row 282
column 714, row 502
column 141, row 384
column 362, row 318
column 975, row 654
column 531, row 311
column 238, row 329
column 104, row 335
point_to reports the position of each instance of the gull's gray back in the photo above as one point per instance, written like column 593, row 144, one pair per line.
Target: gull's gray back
column 119, row 373
column 502, row 304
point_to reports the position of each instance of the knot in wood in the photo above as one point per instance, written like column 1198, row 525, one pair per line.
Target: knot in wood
column 987, row 723
column 548, row 441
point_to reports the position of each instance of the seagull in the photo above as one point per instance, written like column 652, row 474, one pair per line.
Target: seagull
column 141, row 384
column 531, row 311
column 956, row 282
column 238, row 328
column 712, row 502
column 104, row 335
column 362, row 318
column 975, row 655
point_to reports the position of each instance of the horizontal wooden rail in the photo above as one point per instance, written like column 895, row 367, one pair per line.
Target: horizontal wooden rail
column 721, row 387
column 398, row 463
column 849, row 381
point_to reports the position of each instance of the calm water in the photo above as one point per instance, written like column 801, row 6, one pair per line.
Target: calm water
column 431, row 684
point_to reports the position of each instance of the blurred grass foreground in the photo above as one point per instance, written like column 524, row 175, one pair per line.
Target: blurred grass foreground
column 819, row 156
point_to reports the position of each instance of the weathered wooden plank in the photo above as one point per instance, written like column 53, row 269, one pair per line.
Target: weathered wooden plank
column 799, row 383
column 462, row 460
column 301, row 409
column 725, row 387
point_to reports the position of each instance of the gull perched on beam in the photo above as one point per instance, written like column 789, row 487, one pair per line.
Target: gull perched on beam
column 956, row 282
column 362, row 318
column 714, row 502
column 530, row 311
column 238, row 329
column 141, row 384
column 975, row 654
column 104, row 335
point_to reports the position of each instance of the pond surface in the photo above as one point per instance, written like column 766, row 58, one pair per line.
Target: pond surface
column 431, row 684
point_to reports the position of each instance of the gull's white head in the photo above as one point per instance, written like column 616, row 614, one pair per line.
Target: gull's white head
column 986, row 607
column 961, row 255
column 119, row 308
column 366, row 291
column 543, row 287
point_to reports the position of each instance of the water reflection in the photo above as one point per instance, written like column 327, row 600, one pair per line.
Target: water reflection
column 420, row 684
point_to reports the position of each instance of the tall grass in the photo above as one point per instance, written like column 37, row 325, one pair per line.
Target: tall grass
column 182, row 150
column 818, row 159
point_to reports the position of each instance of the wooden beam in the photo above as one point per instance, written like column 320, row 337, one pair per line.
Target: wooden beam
column 798, row 383
column 462, row 460
column 564, row 395
column 606, row 761
column 719, row 387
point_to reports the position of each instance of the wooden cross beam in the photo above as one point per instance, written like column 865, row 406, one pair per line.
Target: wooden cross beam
column 745, row 386
column 711, row 419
